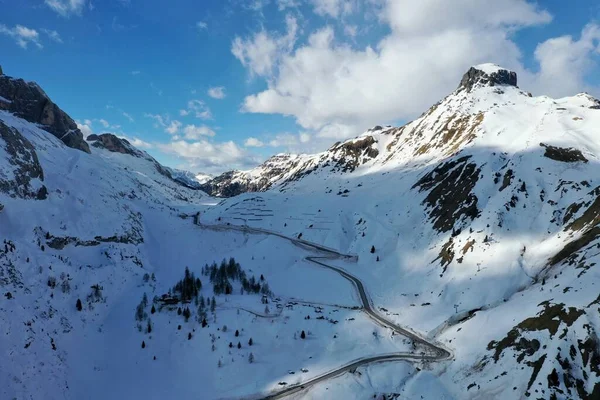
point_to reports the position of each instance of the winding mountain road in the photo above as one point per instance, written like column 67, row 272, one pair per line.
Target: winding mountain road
column 431, row 351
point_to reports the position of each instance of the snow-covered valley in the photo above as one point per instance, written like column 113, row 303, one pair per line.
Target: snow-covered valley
column 475, row 227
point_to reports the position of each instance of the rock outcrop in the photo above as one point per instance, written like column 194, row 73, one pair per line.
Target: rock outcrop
column 115, row 144
column 487, row 75
column 23, row 175
column 28, row 101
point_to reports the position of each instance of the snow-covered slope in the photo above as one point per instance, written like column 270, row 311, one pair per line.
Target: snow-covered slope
column 475, row 225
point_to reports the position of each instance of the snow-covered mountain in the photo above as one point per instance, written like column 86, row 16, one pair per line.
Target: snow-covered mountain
column 485, row 207
column 476, row 225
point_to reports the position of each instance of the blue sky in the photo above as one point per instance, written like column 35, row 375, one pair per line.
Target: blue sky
column 213, row 85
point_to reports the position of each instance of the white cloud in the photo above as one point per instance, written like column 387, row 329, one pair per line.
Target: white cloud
column 53, row 35
column 336, row 90
column 198, row 108
column 160, row 120
column 201, row 25
column 565, row 62
column 129, row 117
column 304, row 137
column 104, row 123
column 139, row 143
column 217, row 92
column 193, row 132
column 66, row 8
column 210, row 157
column 173, row 127
column 283, row 4
column 351, row 30
column 262, row 51
column 333, row 8
column 135, row 72
column 253, row 142
column 85, row 127
column 22, row 35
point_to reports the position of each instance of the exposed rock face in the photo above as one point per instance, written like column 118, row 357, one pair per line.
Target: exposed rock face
column 224, row 186
column 19, row 178
column 475, row 76
column 349, row 155
column 450, row 197
column 115, row 144
column 563, row 154
column 28, row 101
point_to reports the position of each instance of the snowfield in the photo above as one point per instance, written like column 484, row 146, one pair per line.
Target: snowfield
column 475, row 226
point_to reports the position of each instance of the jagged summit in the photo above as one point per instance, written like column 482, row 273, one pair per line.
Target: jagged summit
column 27, row 100
column 487, row 75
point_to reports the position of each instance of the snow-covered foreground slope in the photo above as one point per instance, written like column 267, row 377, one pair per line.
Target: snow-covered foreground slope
column 475, row 225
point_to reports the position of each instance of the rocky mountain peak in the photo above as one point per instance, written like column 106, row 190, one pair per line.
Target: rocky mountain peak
column 487, row 75
column 28, row 101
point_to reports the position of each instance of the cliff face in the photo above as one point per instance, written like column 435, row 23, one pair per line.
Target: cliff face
column 28, row 101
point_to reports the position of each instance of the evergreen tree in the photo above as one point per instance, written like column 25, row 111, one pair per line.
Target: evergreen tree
column 143, row 344
column 303, row 335
column 149, row 327
column 230, row 345
column 250, row 342
column 78, row 305
column 190, row 336
column 251, row 358
column 372, row 249
column 237, row 333
column 213, row 304
column 202, row 304
column 153, row 310
column 377, row 258
column 179, row 311
column 219, row 364
column 239, row 345
column 204, row 323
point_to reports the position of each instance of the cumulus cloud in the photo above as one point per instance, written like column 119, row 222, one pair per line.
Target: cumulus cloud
column 284, row 4
column 66, row 8
column 85, row 127
column 193, row 132
column 217, row 92
column 210, row 157
column 261, row 52
column 173, row 127
column 253, row 142
column 201, row 25
column 333, row 8
column 22, row 35
column 336, row 89
column 565, row 62
column 197, row 108
column 139, row 143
